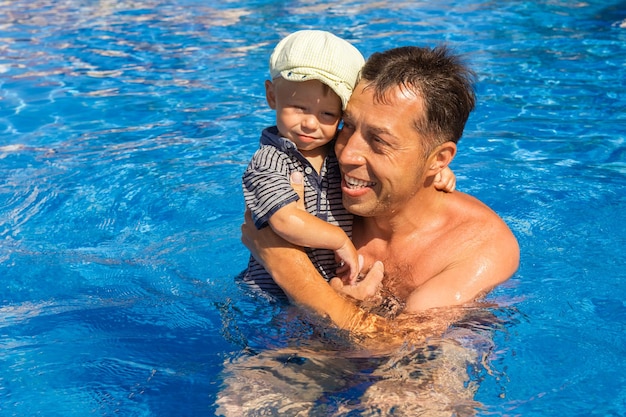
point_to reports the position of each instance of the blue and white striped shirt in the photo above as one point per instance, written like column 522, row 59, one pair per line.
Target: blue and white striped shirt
column 266, row 189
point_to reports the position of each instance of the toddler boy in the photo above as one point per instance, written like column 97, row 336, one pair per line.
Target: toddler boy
column 313, row 73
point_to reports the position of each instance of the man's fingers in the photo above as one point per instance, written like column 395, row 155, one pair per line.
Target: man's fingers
column 374, row 277
column 336, row 284
column 297, row 183
column 368, row 287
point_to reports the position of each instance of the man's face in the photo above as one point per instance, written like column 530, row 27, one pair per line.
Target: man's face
column 380, row 153
column 307, row 113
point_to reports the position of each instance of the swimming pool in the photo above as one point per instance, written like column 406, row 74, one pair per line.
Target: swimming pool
column 125, row 127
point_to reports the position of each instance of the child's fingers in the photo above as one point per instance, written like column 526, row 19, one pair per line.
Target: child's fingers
column 297, row 183
column 348, row 273
column 367, row 287
column 342, row 268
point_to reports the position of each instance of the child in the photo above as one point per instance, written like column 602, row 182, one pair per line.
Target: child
column 313, row 74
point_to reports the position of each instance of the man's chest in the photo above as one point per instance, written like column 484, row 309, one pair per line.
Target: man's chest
column 406, row 268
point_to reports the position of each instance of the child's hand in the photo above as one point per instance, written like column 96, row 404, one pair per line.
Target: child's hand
column 445, row 180
column 350, row 263
column 365, row 288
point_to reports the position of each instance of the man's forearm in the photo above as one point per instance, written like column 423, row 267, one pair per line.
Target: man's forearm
column 293, row 271
column 295, row 274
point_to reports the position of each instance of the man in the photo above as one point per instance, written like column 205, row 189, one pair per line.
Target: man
column 401, row 127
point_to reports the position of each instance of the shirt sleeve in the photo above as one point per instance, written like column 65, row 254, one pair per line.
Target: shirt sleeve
column 266, row 185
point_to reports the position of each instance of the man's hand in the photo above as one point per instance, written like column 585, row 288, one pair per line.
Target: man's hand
column 368, row 287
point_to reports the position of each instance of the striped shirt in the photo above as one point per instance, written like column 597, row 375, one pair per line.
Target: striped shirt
column 266, row 189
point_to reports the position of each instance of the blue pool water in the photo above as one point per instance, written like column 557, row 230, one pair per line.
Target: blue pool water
column 125, row 127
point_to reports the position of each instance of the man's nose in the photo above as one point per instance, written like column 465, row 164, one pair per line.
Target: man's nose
column 350, row 150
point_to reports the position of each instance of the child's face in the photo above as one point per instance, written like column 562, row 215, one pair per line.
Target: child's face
column 307, row 113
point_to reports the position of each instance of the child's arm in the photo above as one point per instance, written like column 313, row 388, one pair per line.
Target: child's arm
column 304, row 229
column 445, row 180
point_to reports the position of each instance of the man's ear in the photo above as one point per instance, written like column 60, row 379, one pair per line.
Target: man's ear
column 441, row 157
column 270, row 94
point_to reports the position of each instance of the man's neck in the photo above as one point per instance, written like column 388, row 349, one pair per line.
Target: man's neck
column 423, row 212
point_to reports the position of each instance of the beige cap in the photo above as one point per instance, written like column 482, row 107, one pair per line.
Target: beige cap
column 318, row 55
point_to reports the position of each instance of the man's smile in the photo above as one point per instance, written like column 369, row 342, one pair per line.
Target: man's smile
column 355, row 183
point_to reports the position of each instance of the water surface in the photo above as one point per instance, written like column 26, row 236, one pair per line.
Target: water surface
column 125, row 127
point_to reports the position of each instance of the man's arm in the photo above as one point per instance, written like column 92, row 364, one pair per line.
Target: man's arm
column 295, row 274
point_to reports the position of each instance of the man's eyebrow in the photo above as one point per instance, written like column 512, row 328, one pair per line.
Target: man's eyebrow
column 380, row 130
column 377, row 130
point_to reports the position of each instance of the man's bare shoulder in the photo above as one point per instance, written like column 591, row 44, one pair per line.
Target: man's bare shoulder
column 474, row 252
column 488, row 236
column 472, row 211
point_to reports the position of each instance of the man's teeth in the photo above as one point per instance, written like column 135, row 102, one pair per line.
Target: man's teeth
column 356, row 183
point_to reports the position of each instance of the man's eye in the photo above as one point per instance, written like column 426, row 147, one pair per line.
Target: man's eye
column 378, row 141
